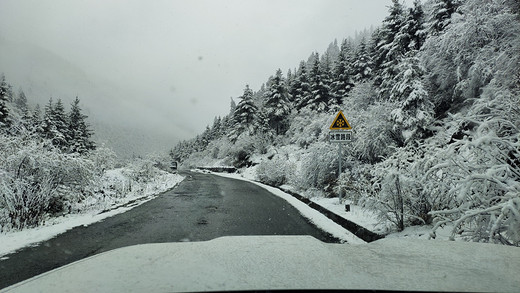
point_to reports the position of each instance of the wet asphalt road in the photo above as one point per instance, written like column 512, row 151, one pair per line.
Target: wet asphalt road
column 202, row 207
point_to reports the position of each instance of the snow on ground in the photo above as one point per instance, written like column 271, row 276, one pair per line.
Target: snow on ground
column 117, row 188
column 357, row 214
column 95, row 212
column 369, row 220
column 314, row 216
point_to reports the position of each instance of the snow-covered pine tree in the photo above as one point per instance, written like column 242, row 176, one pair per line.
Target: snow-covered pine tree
column 60, row 135
column 415, row 111
column 440, row 15
column 277, row 106
column 245, row 115
column 415, row 25
column 78, row 133
column 362, row 66
column 21, row 102
column 54, row 124
column 326, row 64
column 321, row 97
column 342, row 78
column 217, row 127
column 4, row 98
column 47, row 122
column 35, row 120
column 333, row 51
column 391, row 47
column 301, row 89
column 291, row 77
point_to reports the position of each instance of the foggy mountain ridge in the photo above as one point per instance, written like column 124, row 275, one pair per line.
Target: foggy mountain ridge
column 117, row 123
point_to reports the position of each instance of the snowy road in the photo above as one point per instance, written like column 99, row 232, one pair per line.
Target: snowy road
column 202, row 207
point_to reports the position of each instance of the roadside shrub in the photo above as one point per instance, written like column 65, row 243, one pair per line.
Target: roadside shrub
column 398, row 193
column 38, row 179
column 355, row 182
column 319, row 167
column 242, row 159
column 103, row 159
column 275, row 171
column 25, row 202
column 142, row 170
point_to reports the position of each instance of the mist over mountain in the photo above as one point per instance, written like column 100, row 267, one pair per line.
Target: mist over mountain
column 128, row 126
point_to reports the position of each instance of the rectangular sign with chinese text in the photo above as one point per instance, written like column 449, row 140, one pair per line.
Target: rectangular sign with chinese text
column 340, row 136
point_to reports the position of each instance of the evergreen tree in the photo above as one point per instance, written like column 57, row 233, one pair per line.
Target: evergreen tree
column 217, row 128
column 226, row 124
column 245, row 115
column 35, row 120
column 4, row 98
column 363, row 65
column 440, row 16
column 78, row 133
column 301, row 89
column 333, row 51
column 343, row 82
column 373, row 50
column 277, row 105
column 54, row 124
column 291, row 83
column 416, row 27
column 47, row 123
column 60, row 134
column 391, row 48
column 415, row 111
column 21, row 102
column 321, row 97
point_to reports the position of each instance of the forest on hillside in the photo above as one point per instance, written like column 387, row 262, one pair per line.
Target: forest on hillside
column 51, row 167
column 433, row 96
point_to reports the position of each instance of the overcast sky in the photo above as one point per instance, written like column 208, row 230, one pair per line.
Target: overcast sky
column 175, row 64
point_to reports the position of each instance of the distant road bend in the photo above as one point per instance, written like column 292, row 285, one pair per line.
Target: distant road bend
column 202, row 207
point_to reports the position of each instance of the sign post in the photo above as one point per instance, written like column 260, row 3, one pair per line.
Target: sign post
column 341, row 132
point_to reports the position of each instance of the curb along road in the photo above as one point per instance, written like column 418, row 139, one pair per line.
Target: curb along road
column 356, row 229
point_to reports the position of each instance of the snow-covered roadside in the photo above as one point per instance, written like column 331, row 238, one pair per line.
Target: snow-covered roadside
column 370, row 221
column 359, row 215
column 312, row 215
column 140, row 194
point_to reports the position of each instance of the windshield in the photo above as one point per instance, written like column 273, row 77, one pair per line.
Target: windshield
column 374, row 125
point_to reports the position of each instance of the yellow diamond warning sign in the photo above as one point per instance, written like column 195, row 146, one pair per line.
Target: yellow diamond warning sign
column 340, row 123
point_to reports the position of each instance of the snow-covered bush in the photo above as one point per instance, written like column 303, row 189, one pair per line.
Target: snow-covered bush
column 308, row 128
column 319, row 167
column 355, row 182
column 24, row 201
column 142, row 170
column 103, row 159
column 361, row 97
column 478, row 57
column 275, row 171
column 38, row 179
column 401, row 190
column 116, row 183
column 484, row 169
column 374, row 135
column 242, row 150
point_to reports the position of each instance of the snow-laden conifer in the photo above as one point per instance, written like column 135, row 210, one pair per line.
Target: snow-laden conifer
column 277, row 106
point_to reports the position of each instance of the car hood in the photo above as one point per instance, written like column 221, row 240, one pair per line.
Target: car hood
column 288, row 262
